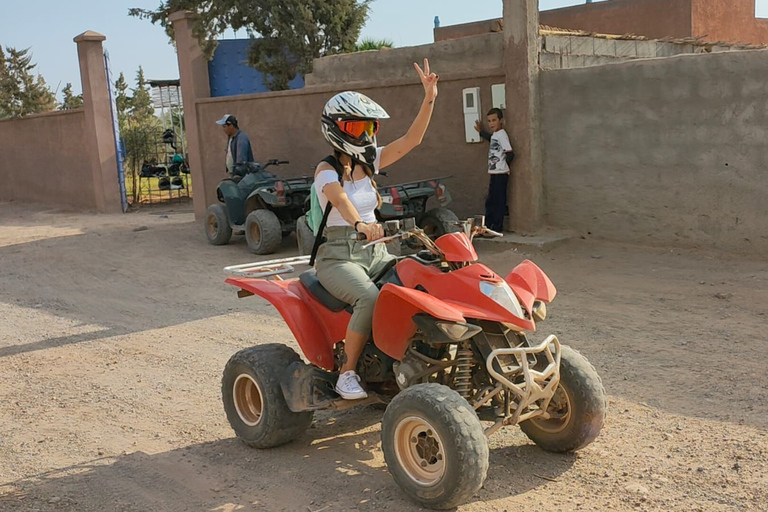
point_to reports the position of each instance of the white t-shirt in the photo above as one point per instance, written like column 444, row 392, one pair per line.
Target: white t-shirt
column 360, row 192
column 500, row 145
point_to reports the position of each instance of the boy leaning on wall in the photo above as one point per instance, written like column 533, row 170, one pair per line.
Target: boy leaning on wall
column 500, row 156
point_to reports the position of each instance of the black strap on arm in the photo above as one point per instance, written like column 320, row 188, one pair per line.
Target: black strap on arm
column 484, row 134
column 509, row 156
column 319, row 238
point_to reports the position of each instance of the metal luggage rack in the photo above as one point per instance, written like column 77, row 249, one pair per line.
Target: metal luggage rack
column 261, row 269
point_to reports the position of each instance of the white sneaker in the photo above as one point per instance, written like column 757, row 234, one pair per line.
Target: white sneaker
column 348, row 386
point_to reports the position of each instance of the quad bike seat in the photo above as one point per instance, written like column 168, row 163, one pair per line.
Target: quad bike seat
column 312, row 284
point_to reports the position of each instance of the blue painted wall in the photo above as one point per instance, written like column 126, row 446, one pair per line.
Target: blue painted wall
column 229, row 73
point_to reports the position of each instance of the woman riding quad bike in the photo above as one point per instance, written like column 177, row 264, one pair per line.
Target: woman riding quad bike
column 448, row 346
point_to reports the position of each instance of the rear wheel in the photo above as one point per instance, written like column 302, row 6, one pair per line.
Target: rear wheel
column 434, row 446
column 439, row 221
column 254, row 401
column 217, row 228
column 577, row 410
column 263, row 232
column 304, row 236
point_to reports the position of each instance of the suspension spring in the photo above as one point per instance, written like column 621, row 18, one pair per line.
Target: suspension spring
column 462, row 380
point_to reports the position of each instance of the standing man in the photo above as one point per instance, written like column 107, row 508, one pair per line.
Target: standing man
column 500, row 156
column 238, row 145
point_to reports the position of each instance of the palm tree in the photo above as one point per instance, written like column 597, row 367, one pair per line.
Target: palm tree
column 367, row 44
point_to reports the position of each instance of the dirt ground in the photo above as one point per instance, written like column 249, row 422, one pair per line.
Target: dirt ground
column 114, row 331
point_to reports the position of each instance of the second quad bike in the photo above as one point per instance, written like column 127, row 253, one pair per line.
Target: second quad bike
column 399, row 202
column 449, row 351
column 257, row 203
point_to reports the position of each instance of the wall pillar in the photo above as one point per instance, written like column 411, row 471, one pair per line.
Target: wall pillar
column 99, row 129
column 521, row 66
column 193, row 75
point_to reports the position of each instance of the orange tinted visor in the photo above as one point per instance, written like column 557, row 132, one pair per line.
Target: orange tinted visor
column 356, row 129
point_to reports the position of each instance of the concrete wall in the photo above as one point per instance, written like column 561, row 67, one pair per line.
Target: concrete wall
column 42, row 160
column 467, row 29
column 475, row 54
column 286, row 125
column 731, row 20
column 650, row 18
column 670, row 151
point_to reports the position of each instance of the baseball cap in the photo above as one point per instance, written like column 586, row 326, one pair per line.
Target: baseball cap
column 227, row 119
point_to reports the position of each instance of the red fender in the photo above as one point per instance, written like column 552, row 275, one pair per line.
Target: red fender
column 297, row 315
column 393, row 326
column 530, row 284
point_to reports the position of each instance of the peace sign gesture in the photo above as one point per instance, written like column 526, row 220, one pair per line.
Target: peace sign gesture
column 428, row 80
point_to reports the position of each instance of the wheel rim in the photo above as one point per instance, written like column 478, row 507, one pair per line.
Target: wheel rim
column 213, row 226
column 248, row 400
column 255, row 232
column 560, row 413
column 419, row 451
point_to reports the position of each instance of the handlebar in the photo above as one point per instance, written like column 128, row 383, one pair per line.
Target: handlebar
column 275, row 161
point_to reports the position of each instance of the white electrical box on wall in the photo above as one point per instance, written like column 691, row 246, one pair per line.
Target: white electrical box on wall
column 498, row 96
column 471, row 99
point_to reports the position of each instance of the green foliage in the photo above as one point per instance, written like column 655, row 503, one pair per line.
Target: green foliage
column 287, row 34
column 141, row 102
column 367, row 44
column 70, row 100
column 21, row 92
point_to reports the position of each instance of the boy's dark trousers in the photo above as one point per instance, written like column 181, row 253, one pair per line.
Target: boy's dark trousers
column 496, row 202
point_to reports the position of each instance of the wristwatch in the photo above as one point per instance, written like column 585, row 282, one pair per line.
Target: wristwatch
column 356, row 223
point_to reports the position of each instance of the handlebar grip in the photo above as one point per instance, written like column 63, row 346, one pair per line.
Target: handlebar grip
column 358, row 237
column 283, row 162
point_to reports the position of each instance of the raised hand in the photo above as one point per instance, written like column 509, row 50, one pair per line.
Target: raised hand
column 428, row 80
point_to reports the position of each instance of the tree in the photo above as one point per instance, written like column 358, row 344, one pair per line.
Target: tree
column 373, row 44
column 292, row 32
column 21, row 92
column 141, row 102
column 70, row 100
column 122, row 100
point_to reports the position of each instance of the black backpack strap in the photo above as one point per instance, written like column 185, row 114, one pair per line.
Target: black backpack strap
column 319, row 239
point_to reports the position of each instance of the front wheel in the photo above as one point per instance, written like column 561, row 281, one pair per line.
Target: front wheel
column 434, row 446
column 263, row 232
column 577, row 410
column 254, row 401
column 217, row 228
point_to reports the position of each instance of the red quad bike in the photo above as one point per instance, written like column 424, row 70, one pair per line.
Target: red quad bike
column 449, row 350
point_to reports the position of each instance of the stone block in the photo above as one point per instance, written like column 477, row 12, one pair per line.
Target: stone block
column 582, row 45
column 550, row 61
column 718, row 49
column 597, row 60
column 606, row 47
column 573, row 61
column 557, row 44
column 667, row 49
column 626, row 48
column 645, row 49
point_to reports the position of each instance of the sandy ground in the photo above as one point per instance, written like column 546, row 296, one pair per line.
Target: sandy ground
column 113, row 339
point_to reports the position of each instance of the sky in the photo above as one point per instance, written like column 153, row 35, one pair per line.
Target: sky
column 48, row 27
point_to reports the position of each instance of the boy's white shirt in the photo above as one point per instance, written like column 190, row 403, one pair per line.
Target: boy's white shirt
column 500, row 146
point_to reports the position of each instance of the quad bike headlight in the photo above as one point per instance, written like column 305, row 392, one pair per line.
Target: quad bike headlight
column 458, row 332
column 502, row 294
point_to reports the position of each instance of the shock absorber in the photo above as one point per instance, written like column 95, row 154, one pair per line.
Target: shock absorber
column 462, row 380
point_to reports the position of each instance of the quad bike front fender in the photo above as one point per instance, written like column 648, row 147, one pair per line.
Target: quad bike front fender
column 299, row 318
column 393, row 324
column 530, row 284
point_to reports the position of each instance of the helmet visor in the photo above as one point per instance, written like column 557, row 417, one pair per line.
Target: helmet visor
column 356, row 129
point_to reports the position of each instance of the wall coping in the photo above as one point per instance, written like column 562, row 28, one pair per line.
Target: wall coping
column 357, row 86
column 53, row 113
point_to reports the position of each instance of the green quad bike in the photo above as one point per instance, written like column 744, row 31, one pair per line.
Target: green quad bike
column 258, row 204
column 405, row 200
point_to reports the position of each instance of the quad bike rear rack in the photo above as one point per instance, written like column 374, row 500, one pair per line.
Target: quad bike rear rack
column 537, row 389
column 261, row 269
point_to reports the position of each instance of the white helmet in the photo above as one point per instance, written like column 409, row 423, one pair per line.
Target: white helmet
column 352, row 106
